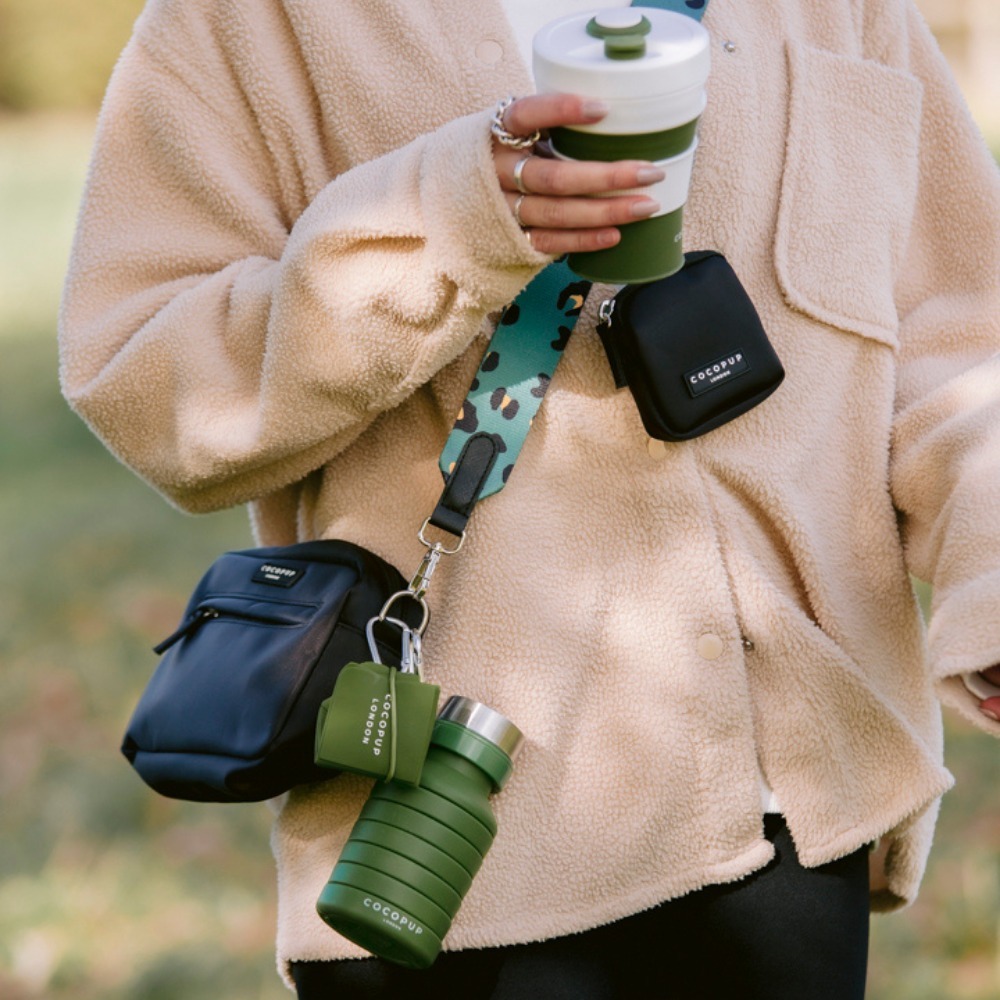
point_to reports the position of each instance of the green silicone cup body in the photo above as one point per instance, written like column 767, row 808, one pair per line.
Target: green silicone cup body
column 405, row 870
column 427, row 798
column 649, row 249
column 408, row 845
column 414, row 904
column 577, row 145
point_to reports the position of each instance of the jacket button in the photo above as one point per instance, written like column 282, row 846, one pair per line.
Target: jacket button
column 656, row 448
column 489, row 51
column 710, row 646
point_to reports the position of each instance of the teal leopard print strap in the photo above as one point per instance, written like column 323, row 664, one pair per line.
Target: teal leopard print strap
column 516, row 370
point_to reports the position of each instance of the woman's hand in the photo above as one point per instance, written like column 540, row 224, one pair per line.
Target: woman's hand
column 551, row 204
column 990, row 707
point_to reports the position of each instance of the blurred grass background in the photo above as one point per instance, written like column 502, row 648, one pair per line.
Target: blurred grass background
column 108, row 892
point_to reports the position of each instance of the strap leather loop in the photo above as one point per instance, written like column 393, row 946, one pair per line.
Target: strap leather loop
column 465, row 483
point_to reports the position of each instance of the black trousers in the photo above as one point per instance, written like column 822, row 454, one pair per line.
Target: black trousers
column 784, row 933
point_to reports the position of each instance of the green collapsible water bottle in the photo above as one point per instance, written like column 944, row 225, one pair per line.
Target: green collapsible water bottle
column 414, row 850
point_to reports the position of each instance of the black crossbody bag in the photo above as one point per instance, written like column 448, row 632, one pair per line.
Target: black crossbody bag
column 230, row 711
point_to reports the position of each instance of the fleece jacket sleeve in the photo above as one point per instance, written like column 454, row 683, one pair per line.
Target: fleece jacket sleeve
column 225, row 333
column 945, row 472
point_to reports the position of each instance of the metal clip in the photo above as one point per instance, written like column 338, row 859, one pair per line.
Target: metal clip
column 411, row 654
column 412, row 658
column 417, row 587
column 422, row 578
column 606, row 311
column 437, row 545
column 425, row 611
column 370, row 633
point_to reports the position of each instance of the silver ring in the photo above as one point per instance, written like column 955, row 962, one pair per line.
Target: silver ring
column 506, row 138
column 517, row 211
column 518, row 171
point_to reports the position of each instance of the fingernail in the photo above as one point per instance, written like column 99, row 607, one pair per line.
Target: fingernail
column 608, row 238
column 650, row 175
column 644, row 208
column 594, row 109
column 990, row 714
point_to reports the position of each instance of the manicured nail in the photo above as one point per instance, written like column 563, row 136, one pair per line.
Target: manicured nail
column 644, row 208
column 650, row 175
column 608, row 238
column 594, row 109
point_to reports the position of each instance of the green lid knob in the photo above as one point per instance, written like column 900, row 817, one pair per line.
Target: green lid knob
column 624, row 32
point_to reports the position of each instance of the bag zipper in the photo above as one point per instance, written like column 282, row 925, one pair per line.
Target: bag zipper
column 192, row 622
column 207, row 613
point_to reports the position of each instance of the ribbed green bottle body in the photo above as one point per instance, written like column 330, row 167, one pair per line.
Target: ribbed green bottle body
column 410, row 859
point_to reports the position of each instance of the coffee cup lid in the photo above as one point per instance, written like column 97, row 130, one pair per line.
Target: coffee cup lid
column 663, row 75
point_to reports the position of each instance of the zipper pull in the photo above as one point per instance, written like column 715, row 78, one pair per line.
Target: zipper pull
column 195, row 621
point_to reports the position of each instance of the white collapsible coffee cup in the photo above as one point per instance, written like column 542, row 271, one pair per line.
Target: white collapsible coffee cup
column 650, row 67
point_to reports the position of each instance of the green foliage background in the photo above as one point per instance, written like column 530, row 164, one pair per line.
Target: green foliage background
column 108, row 892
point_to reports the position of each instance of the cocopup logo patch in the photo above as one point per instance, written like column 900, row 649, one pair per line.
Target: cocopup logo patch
column 716, row 373
column 277, row 575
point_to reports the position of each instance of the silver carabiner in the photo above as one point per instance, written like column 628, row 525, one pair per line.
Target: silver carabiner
column 412, row 658
column 370, row 634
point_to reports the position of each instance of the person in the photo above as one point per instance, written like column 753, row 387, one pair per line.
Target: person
column 296, row 236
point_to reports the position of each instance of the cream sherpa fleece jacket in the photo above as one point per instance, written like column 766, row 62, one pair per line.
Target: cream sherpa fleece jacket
column 289, row 253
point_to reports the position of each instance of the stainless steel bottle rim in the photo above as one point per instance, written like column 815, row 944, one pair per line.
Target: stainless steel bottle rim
column 485, row 722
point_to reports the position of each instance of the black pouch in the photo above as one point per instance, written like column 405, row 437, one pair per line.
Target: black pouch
column 229, row 714
column 691, row 348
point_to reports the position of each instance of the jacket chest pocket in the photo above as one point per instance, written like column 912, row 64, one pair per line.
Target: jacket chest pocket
column 847, row 190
